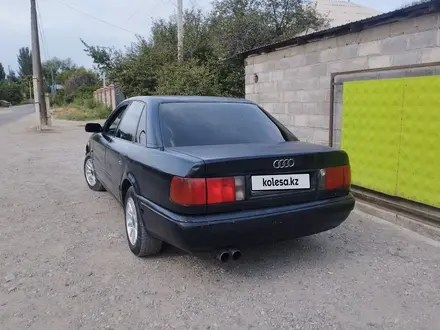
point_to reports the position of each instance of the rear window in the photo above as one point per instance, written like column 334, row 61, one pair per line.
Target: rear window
column 192, row 124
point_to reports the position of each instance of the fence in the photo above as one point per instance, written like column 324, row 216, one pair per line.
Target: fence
column 108, row 95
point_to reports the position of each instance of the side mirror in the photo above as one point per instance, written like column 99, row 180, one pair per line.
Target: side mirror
column 93, row 128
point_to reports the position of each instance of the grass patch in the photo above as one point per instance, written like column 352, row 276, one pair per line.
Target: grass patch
column 81, row 111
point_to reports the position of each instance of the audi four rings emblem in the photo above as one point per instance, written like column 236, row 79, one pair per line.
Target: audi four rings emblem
column 283, row 163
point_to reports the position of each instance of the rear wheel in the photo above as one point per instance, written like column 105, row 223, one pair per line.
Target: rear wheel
column 140, row 242
column 90, row 174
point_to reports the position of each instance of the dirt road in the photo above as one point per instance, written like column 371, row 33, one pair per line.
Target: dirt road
column 65, row 264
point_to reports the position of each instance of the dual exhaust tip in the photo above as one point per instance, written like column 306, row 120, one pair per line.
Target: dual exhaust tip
column 225, row 255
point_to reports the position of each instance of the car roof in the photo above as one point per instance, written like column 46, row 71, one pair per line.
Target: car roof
column 168, row 99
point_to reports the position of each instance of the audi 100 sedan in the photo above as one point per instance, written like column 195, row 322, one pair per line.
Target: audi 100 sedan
column 213, row 174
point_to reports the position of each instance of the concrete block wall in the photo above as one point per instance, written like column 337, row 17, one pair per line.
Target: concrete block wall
column 294, row 82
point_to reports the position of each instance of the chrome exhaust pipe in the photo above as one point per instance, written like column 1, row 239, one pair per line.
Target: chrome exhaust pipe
column 235, row 254
column 223, row 255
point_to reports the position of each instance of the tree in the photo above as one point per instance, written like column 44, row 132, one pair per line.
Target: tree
column 11, row 92
column 24, row 59
column 55, row 67
column 11, row 77
column 2, row 73
column 211, row 44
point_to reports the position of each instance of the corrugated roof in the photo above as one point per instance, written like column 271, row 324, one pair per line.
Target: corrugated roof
column 422, row 9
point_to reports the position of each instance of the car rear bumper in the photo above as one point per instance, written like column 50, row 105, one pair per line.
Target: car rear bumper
column 240, row 229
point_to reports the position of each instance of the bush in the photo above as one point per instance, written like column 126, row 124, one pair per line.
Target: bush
column 11, row 92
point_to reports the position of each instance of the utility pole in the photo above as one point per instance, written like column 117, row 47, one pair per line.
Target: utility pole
column 39, row 95
column 180, row 30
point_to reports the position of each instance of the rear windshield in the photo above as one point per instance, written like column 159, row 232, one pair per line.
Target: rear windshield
column 192, row 124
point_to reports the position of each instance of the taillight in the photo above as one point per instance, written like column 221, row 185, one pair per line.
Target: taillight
column 335, row 177
column 201, row 191
column 188, row 191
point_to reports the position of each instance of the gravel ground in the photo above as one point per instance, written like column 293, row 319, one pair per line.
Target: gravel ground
column 65, row 263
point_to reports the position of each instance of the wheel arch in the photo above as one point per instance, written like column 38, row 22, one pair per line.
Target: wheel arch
column 127, row 182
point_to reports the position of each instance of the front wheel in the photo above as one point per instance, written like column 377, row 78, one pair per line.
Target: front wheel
column 90, row 174
column 140, row 242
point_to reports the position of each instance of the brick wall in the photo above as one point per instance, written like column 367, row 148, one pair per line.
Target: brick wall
column 294, row 83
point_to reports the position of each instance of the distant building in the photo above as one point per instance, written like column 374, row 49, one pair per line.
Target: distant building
column 341, row 12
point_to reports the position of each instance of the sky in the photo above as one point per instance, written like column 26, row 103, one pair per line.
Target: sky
column 98, row 22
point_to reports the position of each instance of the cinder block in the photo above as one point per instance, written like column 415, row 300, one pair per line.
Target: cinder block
column 284, row 119
column 311, row 47
column 300, row 120
column 381, row 61
column 291, row 96
column 311, row 96
column 406, row 26
column 369, row 48
column 328, row 55
column 278, row 108
column 258, row 67
column 347, row 39
column 253, row 98
column 263, row 77
column 394, row 45
column 376, row 33
column 284, row 63
column 430, row 55
column 312, row 108
column 347, row 52
column 353, row 64
column 423, row 39
column 269, row 97
column 406, row 58
column 333, row 67
column 327, row 43
column 297, row 60
column 318, row 121
column 324, row 82
column 249, row 69
column 303, row 133
column 428, row 22
column 295, row 108
column 310, row 83
column 320, row 134
column 318, row 70
column 291, row 74
column 312, row 58
column 259, row 59
column 278, row 54
column 276, row 75
column 249, row 89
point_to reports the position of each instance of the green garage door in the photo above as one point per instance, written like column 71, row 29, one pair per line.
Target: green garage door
column 391, row 131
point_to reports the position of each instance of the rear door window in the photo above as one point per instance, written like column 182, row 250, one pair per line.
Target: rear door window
column 129, row 122
column 192, row 124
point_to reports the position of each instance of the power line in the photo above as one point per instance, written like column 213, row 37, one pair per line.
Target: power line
column 97, row 18
column 41, row 30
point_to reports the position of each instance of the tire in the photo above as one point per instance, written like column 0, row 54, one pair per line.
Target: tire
column 94, row 183
column 141, row 243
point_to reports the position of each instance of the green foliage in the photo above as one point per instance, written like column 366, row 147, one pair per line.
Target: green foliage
column 80, row 83
column 56, row 68
column 84, row 109
column 187, row 78
column 24, row 59
column 211, row 43
column 11, row 77
column 11, row 92
column 2, row 73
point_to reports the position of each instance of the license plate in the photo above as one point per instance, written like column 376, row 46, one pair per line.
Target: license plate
column 281, row 182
